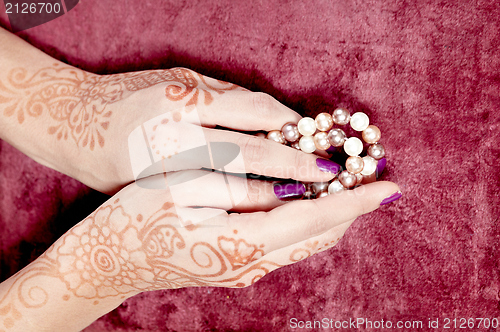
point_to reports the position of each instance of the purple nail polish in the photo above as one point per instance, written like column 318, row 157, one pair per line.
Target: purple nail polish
column 331, row 149
column 397, row 195
column 380, row 167
column 291, row 190
column 327, row 166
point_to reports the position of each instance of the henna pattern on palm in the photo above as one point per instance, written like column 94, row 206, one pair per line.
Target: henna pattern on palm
column 77, row 101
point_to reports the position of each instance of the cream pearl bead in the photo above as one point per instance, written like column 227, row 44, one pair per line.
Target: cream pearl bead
column 321, row 141
column 290, row 132
column 371, row 134
column 354, row 164
column 306, row 144
column 348, row 179
column 370, row 165
column 337, row 137
column 335, row 187
column 277, row 136
column 307, row 126
column 359, row 178
column 353, row 146
column 324, row 121
column 341, row 116
column 359, row 121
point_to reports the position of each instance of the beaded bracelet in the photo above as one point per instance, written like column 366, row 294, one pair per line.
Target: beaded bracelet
column 310, row 135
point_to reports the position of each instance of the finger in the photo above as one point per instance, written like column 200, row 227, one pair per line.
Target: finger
column 162, row 144
column 202, row 188
column 272, row 260
column 247, row 111
column 268, row 158
column 299, row 251
column 300, row 220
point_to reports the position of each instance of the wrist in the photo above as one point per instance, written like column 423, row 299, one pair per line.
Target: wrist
column 39, row 298
column 41, row 113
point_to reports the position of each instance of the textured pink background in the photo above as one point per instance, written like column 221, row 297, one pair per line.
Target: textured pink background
column 426, row 72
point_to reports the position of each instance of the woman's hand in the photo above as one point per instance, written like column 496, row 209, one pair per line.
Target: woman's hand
column 106, row 130
column 180, row 236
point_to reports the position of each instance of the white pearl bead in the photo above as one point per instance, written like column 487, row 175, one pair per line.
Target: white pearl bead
column 369, row 165
column 307, row 145
column 353, row 146
column 335, row 187
column 359, row 121
column 307, row 126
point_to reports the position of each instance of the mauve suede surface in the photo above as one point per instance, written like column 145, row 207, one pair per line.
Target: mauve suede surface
column 426, row 72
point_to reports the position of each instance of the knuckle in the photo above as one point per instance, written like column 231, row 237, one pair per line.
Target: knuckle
column 360, row 206
column 263, row 104
column 301, row 162
column 253, row 191
column 316, row 226
column 254, row 149
column 317, row 223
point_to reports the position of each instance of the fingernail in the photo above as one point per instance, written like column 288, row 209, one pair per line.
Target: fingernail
column 397, row 195
column 327, row 166
column 291, row 190
column 331, row 149
column 380, row 167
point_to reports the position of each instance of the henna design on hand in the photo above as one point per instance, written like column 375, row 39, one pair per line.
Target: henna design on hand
column 239, row 252
column 77, row 101
column 113, row 253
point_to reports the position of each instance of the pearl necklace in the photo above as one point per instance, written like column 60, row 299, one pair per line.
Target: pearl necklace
column 319, row 134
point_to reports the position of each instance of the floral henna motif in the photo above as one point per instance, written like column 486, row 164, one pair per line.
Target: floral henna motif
column 103, row 256
column 310, row 249
column 77, row 101
column 184, row 84
column 113, row 254
column 239, row 252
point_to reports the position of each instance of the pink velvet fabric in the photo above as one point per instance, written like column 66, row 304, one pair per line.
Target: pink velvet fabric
column 425, row 71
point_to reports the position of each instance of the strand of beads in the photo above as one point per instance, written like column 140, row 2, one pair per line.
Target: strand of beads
column 319, row 134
